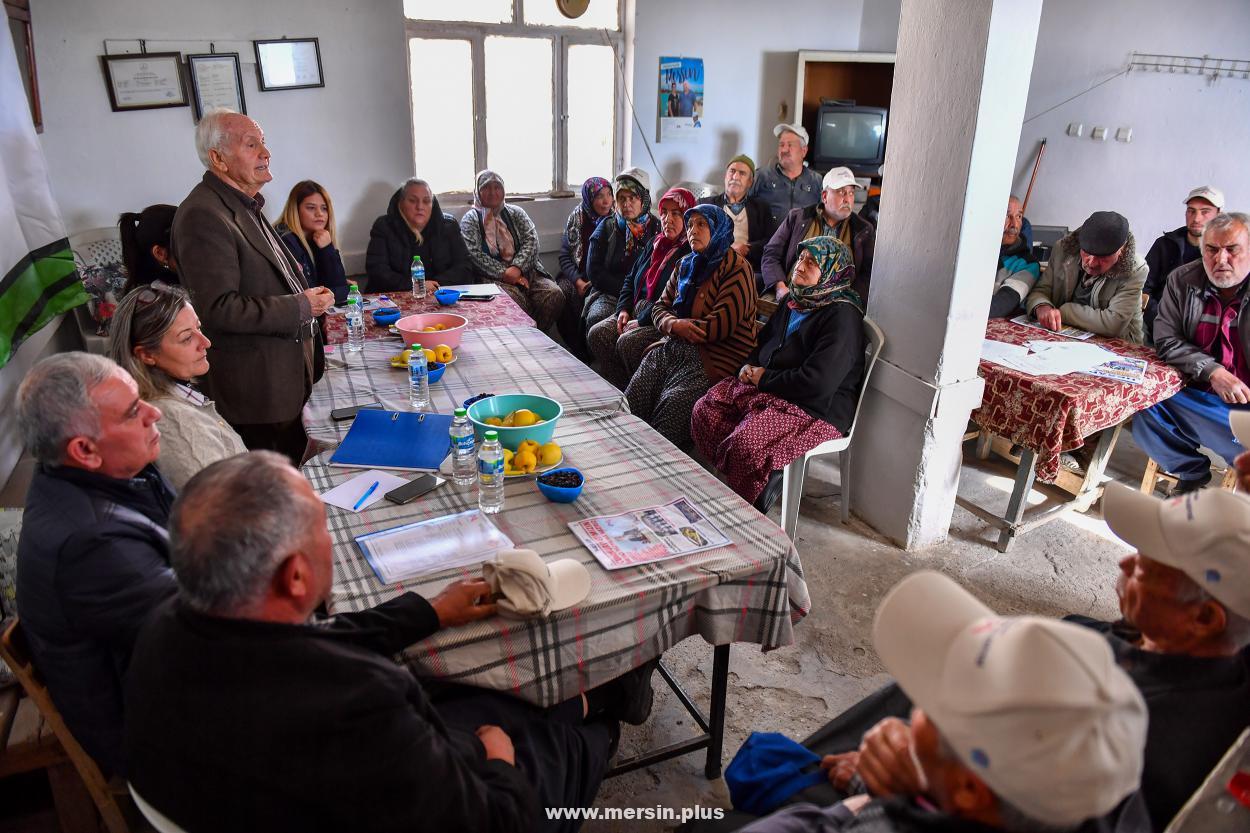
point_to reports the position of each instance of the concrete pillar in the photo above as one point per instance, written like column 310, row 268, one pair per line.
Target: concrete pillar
column 960, row 86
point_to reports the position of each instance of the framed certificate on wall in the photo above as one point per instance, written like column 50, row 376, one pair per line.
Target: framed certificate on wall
column 288, row 64
column 144, row 81
column 216, row 81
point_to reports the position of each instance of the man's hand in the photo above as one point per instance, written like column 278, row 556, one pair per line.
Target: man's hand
column 464, row 600
column 840, row 769
column 687, row 329
column 1242, row 464
column 497, row 744
column 743, row 249
column 750, row 375
column 321, row 238
column 320, row 299
column 622, row 318
column 1048, row 317
column 1229, row 388
column 1145, row 300
column 431, row 286
column 885, row 761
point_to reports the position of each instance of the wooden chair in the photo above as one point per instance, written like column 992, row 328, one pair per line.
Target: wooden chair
column 1154, row 474
column 15, row 652
column 792, row 485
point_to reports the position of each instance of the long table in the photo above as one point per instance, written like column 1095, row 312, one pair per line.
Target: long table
column 500, row 312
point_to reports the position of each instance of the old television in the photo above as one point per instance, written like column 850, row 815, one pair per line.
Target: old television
column 851, row 135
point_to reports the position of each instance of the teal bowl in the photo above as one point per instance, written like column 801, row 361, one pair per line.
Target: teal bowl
column 500, row 406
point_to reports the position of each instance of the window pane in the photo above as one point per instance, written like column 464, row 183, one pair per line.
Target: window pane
column 591, row 108
column 518, row 112
column 476, row 11
column 442, row 112
column 600, row 14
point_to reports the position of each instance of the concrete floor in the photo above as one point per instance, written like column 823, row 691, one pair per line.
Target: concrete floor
column 1067, row 566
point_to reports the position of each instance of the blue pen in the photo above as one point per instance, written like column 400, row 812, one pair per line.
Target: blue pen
column 365, row 496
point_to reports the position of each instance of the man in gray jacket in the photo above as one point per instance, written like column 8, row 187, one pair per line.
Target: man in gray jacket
column 1202, row 331
column 1094, row 281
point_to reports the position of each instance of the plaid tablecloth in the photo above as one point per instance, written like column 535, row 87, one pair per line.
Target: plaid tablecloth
column 490, row 360
column 501, row 312
column 752, row 591
column 1052, row 414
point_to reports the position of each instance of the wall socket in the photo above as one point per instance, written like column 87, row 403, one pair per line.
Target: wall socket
column 1124, row 134
column 1098, row 134
column 1076, row 130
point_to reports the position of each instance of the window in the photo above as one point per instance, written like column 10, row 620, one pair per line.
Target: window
column 514, row 86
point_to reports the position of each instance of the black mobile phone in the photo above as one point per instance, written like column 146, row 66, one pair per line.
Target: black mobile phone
column 414, row 489
column 476, row 298
column 340, row 414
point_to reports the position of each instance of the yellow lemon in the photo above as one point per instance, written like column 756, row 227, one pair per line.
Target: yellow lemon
column 549, row 454
column 444, row 353
column 430, row 355
column 523, row 418
column 525, row 460
column 493, row 421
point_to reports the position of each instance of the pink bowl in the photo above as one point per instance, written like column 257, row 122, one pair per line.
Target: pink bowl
column 410, row 327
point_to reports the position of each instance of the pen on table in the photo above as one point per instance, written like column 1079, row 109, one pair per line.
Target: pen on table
column 365, row 496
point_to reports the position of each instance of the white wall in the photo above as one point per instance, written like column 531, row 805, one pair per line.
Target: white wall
column 353, row 135
column 750, row 56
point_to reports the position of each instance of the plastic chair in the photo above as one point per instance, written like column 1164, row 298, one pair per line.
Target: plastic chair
column 159, row 821
column 94, row 247
column 792, row 485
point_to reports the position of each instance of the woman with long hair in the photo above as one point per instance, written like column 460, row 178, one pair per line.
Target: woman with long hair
column 308, row 230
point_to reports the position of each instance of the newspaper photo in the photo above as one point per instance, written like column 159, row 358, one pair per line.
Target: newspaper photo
column 1067, row 332
column 643, row 536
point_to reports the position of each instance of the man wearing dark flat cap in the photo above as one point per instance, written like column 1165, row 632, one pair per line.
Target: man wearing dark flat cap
column 1094, row 281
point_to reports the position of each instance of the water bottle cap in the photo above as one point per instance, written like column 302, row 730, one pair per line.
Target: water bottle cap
column 460, row 412
column 415, row 347
column 491, row 435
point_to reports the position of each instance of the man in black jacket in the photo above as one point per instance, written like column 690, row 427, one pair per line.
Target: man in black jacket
column 93, row 557
column 249, row 712
column 753, row 224
column 1178, row 247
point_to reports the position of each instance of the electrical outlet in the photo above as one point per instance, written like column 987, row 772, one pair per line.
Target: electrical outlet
column 1098, row 134
column 1076, row 130
column 1124, row 134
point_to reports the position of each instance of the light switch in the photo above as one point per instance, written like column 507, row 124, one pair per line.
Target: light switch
column 1098, row 134
column 1124, row 134
column 1076, row 130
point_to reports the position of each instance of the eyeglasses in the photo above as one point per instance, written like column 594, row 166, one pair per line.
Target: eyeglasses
column 151, row 293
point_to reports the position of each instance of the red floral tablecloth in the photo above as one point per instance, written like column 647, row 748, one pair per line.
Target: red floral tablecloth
column 1052, row 414
column 501, row 312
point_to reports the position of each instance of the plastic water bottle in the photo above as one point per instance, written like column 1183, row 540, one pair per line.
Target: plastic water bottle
column 418, row 277
column 463, row 449
column 418, row 379
column 353, row 293
column 490, row 474
column 355, row 326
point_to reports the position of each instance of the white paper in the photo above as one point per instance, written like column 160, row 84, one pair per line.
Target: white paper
column 429, row 546
column 474, row 288
column 346, row 494
column 1000, row 352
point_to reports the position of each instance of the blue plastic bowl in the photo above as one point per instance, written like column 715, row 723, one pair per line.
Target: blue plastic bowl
column 561, row 494
column 386, row 317
column 501, row 405
column 436, row 371
column 447, row 297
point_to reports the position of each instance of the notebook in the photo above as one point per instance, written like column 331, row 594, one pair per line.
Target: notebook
column 395, row 440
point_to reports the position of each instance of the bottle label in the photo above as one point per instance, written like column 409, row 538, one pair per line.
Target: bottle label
column 464, row 443
column 490, row 468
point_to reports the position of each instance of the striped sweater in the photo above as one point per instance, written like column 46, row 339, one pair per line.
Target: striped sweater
column 725, row 306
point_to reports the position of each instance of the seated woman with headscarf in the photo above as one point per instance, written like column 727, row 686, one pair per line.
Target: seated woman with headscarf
column 583, row 220
column 145, row 245
column 503, row 247
column 619, row 342
column 307, row 228
column 617, row 244
column 707, row 312
column 414, row 224
column 799, row 386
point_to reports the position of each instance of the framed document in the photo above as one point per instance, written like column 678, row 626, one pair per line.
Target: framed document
column 288, row 64
column 216, row 81
column 144, row 81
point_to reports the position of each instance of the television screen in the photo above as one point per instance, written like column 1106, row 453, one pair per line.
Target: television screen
column 850, row 136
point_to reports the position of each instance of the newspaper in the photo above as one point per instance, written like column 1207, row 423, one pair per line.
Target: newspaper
column 1128, row 371
column 643, row 536
column 1068, row 332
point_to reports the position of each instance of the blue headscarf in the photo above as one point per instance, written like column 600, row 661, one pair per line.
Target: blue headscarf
column 695, row 267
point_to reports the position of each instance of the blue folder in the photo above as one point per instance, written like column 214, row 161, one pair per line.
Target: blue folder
column 395, row 440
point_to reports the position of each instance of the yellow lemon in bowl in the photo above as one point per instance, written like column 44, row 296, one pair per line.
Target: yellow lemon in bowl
column 493, row 421
column 549, row 454
column 524, row 418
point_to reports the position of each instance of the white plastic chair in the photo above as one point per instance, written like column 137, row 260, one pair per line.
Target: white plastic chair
column 159, row 821
column 94, row 247
column 792, row 485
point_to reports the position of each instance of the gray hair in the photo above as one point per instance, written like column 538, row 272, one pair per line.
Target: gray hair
column 1226, row 219
column 232, row 526
column 412, row 182
column 1236, row 627
column 54, row 403
column 211, row 133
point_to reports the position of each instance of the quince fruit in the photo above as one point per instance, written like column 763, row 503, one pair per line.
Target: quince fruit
column 524, row 417
column 525, row 460
column 508, row 421
column 444, row 353
column 401, row 359
column 528, row 445
column 493, row 421
column 507, row 458
column 430, row 330
column 438, row 328
column 430, row 356
column 549, row 454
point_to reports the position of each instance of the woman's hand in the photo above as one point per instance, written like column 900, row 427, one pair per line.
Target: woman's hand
column 513, row 275
column 743, row 249
column 780, row 289
column 687, row 329
column 750, row 375
column 582, row 285
column 622, row 319
column 631, row 324
column 321, row 238
column 431, row 286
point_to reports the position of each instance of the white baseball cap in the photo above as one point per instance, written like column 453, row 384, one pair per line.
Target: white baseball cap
column 838, row 178
column 529, row 586
column 1212, row 195
column 1035, row 707
column 1239, row 421
column 1204, row 534
column 797, row 129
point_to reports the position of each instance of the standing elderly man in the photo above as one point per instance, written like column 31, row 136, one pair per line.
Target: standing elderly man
column 1202, row 331
column 789, row 184
column 93, row 557
column 251, row 296
column 1178, row 247
column 1094, row 281
column 751, row 217
column 832, row 216
column 239, row 689
column 1018, row 270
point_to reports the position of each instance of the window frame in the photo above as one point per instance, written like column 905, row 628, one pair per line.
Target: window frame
column 561, row 37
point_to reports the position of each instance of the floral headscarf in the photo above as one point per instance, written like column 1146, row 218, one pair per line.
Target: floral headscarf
column 495, row 232
column 639, row 226
column 837, row 273
column 695, row 267
column 583, row 224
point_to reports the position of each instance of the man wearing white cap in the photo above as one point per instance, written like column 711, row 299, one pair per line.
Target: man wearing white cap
column 789, row 184
column 1177, row 247
column 1019, row 723
column 833, row 216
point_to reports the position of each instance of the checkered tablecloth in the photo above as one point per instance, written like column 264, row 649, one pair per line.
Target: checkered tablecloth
column 752, row 591
column 490, row 360
column 501, row 312
column 1053, row 414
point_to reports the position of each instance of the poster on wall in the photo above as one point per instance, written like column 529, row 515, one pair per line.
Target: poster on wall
column 681, row 99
